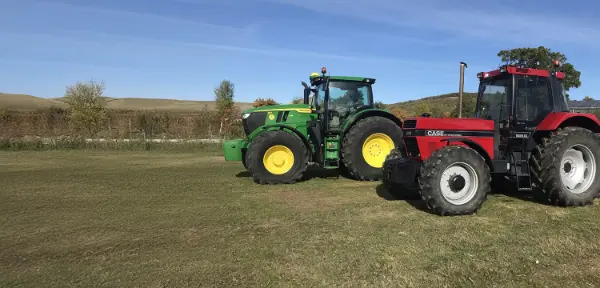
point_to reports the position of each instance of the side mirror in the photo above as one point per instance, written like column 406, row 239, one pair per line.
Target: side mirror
column 426, row 115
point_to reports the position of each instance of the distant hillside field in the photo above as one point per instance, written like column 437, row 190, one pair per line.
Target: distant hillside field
column 436, row 104
column 22, row 102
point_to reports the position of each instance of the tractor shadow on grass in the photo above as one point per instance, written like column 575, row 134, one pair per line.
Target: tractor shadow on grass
column 500, row 189
column 411, row 198
column 312, row 172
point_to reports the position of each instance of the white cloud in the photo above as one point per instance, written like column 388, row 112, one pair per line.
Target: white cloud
column 82, row 24
column 47, row 16
column 491, row 23
column 104, row 43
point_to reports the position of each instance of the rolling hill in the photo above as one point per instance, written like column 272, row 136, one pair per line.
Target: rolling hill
column 23, row 102
column 435, row 104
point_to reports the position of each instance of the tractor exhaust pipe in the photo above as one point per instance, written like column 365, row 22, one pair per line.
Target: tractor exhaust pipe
column 461, row 87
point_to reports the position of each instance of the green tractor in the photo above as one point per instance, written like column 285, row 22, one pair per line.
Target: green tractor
column 337, row 127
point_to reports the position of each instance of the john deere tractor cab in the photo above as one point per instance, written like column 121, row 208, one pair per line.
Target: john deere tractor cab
column 344, row 97
column 522, row 131
column 336, row 127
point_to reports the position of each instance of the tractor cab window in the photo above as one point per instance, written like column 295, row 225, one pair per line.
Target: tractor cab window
column 560, row 99
column 345, row 98
column 492, row 101
column 533, row 98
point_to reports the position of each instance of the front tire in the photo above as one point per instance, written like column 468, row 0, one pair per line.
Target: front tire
column 366, row 145
column 564, row 167
column 277, row 157
column 454, row 180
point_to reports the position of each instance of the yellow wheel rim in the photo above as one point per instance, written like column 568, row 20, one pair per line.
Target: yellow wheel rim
column 376, row 148
column 278, row 160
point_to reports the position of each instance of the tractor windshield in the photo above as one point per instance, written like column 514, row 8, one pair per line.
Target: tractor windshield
column 492, row 99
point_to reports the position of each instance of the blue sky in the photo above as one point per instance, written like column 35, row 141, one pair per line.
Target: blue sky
column 182, row 49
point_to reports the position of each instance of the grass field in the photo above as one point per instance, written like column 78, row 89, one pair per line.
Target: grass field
column 157, row 219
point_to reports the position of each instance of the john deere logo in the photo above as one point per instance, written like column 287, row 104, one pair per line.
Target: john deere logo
column 272, row 117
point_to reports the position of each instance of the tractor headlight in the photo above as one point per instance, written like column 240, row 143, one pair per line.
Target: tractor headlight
column 245, row 115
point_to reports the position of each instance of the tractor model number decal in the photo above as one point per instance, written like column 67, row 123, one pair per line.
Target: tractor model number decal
column 521, row 135
column 440, row 133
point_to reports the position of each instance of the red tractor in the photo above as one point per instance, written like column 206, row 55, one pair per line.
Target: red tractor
column 522, row 131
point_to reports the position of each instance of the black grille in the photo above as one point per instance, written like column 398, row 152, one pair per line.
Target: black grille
column 254, row 121
column 412, row 148
column 410, row 124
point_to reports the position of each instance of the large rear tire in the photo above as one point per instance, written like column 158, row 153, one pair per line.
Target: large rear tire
column 564, row 167
column 277, row 157
column 366, row 145
column 454, row 180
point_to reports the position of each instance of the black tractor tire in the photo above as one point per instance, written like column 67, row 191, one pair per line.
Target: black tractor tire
column 547, row 165
column 433, row 171
column 352, row 157
column 397, row 190
column 259, row 146
column 245, row 160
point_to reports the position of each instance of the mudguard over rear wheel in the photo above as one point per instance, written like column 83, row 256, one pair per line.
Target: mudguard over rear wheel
column 564, row 167
column 454, row 180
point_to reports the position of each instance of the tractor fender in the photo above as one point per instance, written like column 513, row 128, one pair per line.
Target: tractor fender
column 564, row 119
column 370, row 113
column 283, row 127
column 473, row 145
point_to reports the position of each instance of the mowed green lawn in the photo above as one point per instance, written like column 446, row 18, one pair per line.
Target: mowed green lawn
column 155, row 219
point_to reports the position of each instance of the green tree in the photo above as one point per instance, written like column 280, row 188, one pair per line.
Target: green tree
column 587, row 98
column 224, row 95
column 542, row 58
column 88, row 106
column 226, row 110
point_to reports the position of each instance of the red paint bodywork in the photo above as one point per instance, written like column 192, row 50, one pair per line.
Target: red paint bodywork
column 553, row 120
column 429, row 144
column 522, row 71
column 462, row 124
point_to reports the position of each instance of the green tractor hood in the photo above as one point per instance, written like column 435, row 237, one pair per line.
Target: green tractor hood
column 302, row 107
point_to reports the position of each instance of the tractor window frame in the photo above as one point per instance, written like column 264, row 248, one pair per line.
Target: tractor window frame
column 560, row 103
column 503, row 110
column 328, row 109
column 368, row 100
column 532, row 118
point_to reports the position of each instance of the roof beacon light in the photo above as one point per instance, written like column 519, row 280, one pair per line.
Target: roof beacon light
column 556, row 63
column 323, row 70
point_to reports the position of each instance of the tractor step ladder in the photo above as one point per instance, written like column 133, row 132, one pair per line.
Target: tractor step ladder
column 332, row 148
column 523, row 175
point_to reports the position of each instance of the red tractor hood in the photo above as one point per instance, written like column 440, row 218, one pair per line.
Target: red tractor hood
column 458, row 124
